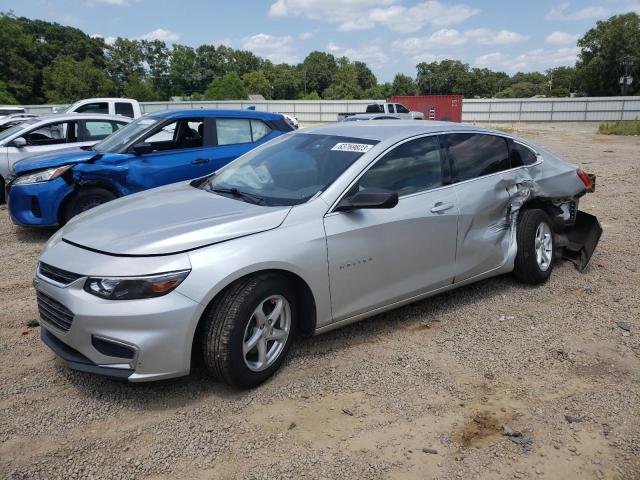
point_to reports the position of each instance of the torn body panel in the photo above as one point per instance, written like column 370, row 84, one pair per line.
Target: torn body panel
column 557, row 191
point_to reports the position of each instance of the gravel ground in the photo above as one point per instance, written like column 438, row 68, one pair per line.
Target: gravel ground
column 495, row 380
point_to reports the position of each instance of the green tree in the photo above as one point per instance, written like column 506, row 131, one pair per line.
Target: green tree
column 562, row 78
column 157, row 57
column 183, row 70
column 345, row 84
column 379, row 92
column 229, row 87
column 210, row 64
column 285, row 81
column 604, row 51
column 16, row 66
column 5, row 97
column 317, row 71
column 67, row 80
column 257, row 83
column 403, row 85
column 484, row 83
column 141, row 89
column 443, row 78
column 125, row 58
column 311, row 96
column 366, row 78
column 522, row 90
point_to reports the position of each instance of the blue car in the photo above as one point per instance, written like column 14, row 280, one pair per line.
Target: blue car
column 157, row 149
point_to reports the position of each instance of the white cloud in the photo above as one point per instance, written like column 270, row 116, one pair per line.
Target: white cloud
column 537, row 59
column 160, row 34
column 305, row 35
column 373, row 55
column 561, row 12
column 107, row 40
column 276, row 49
column 445, row 38
column 561, row 38
column 366, row 14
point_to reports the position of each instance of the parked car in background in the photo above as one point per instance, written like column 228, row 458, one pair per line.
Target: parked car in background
column 312, row 231
column 10, row 110
column 157, row 149
column 14, row 119
column 51, row 133
column 292, row 120
column 126, row 107
column 370, row 116
column 395, row 109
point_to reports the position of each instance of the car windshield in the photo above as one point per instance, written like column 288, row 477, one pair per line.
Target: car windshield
column 16, row 128
column 289, row 170
column 120, row 138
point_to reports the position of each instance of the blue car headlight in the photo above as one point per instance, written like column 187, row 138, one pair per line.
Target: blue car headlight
column 134, row 288
column 41, row 176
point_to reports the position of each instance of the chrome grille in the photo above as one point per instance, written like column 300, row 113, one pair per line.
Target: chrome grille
column 54, row 313
column 57, row 274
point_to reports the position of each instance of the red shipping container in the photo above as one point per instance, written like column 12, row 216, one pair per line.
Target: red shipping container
column 435, row 107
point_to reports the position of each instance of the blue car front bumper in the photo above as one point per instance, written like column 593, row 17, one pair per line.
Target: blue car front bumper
column 37, row 204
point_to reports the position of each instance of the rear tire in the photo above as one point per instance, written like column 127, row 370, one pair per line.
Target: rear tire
column 235, row 333
column 86, row 199
column 534, row 258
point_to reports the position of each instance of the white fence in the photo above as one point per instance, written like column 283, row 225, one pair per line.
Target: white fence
column 580, row 109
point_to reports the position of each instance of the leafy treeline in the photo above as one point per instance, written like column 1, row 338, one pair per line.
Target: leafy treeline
column 48, row 62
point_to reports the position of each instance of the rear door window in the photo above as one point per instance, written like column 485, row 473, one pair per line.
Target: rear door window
column 97, row 130
column 233, row 131
column 391, row 108
column 412, row 167
column 125, row 109
column 474, row 155
column 521, row 155
column 96, row 107
column 259, row 130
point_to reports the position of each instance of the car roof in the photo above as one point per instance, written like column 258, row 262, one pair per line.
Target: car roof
column 82, row 116
column 215, row 113
column 388, row 129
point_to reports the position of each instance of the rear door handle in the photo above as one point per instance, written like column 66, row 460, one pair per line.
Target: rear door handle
column 200, row 161
column 441, row 207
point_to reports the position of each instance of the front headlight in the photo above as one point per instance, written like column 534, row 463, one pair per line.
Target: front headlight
column 135, row 288
column 41, row 176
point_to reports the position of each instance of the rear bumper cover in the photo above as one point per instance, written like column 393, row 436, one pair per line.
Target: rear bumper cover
column 581, row 239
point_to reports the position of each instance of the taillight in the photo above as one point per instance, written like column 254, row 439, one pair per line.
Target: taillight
column 587, row 179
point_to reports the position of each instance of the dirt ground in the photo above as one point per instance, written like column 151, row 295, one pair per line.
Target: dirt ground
column 495, row 380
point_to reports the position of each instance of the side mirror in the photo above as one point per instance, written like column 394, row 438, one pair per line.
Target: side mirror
column 369, row 198
column 142, row 148
column 18, row 142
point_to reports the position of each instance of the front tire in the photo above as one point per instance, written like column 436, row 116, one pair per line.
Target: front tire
column 248, row 330
column 86, row 199
column 534, row 258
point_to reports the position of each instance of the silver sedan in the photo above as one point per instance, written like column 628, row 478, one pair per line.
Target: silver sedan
column 314, row 230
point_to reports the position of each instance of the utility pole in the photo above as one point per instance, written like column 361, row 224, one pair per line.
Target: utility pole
column 626, row 80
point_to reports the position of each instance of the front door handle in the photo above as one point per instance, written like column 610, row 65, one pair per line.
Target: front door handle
column 441, row 207
column 200, row 161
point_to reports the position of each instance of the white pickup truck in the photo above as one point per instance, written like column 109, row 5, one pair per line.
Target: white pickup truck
column 396, row 109
column 126, row 107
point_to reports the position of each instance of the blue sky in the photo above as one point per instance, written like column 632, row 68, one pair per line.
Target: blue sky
column 389, row 35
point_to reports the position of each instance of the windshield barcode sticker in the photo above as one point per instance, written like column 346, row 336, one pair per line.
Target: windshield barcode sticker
column 352, row 147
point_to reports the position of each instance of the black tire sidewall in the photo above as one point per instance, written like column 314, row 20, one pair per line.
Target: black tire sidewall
column 526, row 266
column 240, row 374
column 97, row 196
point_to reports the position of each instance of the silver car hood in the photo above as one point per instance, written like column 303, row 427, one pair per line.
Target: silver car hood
column 169, row 220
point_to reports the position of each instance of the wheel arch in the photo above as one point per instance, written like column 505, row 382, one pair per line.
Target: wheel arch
column 306, row 323
column 77, row 186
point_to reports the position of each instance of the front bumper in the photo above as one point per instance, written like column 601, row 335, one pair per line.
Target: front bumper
column 37, row 204
column 157, row 331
